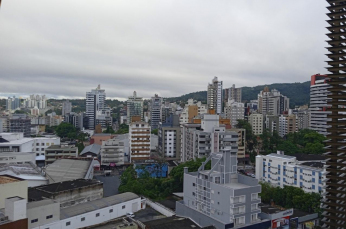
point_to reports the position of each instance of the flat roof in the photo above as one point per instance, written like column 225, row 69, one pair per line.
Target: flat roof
column 173, row 222
column 236, row 185
column 5, row 179
column 268, row 209
column 68, row 169
column 96, row 205
column 313, row 164
column 63, row 148
column 40, row 203
column 17, row 142
column 310, row 157
column 280, row 156
column 39, row 192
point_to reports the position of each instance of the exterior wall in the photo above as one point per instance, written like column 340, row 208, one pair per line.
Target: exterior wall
column 41, row 213
column 241, row 142
column 54, row 153
column 23, row 223
column 7, row 158
column 134, row 107
column 256, row 121
column 18, row 188
column 97, row 139
column 155, row 112
column 41, row 144
column 214, row 96
column 91, row 219
column 112, row 152
column 95, row 101
column 318, row 104
column 234, row 111
column 281, row 171
column 140, row 139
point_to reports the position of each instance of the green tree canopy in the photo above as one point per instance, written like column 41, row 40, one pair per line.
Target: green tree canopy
column 66, row 130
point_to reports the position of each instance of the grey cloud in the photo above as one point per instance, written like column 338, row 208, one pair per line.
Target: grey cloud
column 171, row 47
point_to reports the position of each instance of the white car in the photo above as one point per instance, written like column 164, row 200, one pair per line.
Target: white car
column 130, row 214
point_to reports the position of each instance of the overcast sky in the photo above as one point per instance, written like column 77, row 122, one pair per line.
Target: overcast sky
column 170, row 47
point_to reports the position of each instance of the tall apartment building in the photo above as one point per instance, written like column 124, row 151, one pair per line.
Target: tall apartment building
column 303, row 117
column 281, row 170
column 334, row 215
column 134, row 107
column 200, row 140
column 272, row 102
column 220, row 197
column 166, row 111
column 234, row 111
column 140, row 135
column 12, row 103
column 66, row 107
column 77, row 120
column 214, row 96
column 155, row 111
column 39, row 101
column 272, row 123
column 242, row 157
column 192, row 110
column 233, row 93
column 169, row 137
column 112, row 152
column 319, row 103
column 95, row 101
column 256, row 121
column 20, row 123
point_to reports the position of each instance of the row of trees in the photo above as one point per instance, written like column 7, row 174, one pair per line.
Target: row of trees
column 67, row 130
column 291, row 197
column 304, row 141
column 158, row 188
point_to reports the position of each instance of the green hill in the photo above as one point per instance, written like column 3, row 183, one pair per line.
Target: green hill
column 298, row 93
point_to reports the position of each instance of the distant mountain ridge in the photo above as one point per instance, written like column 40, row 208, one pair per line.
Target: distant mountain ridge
column 298, row 93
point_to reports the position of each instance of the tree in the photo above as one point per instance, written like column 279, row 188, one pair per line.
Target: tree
column 155, row 131
column 66, row 130
column 109, row 130
column 123, row 129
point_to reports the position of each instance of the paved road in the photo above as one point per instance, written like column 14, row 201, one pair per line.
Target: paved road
column 110, row 184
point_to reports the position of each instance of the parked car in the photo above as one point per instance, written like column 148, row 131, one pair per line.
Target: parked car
column 130, row 214
column 252, row 175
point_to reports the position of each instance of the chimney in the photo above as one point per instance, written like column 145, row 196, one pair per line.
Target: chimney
column 186, row 169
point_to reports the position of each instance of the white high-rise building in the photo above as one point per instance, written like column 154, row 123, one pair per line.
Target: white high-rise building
column 318, row 103
column 214, row 93
column 66, row 107
column 36, row 101
column 192, row 110
column 134, row 107
column 272, row 102
column 95, row 101
column 234, row 111
column 256, row 121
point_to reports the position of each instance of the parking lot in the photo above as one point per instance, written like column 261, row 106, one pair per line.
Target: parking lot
column 110, row 184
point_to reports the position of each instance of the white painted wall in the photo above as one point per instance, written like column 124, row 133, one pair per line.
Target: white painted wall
column 91, row 219
column 18, row 188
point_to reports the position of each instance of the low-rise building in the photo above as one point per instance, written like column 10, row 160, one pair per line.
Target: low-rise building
column 70, row 169
column 14, row 215
column 68, row 193
column 42, row 212
column 92, row 150
column 25, row 171
column 55, row 152
column 112, row 152
column 12, row 186
column 95, row 212
column 282, row 170
column 17, row 157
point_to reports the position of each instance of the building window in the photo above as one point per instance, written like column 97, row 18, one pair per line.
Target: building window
column 97, row 214
column 193, row 193
column 123, row 207
column 68, row 223
column 110, row 210
column 42, row 149
column 82, row 219
column 193, row 184
column 49, row 216
column 34, row 220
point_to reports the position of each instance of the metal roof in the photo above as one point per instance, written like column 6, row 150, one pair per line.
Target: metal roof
column 96, row 205
column 94, row 148
column 68, row 169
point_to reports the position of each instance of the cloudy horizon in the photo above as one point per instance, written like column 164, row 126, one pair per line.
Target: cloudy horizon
column 66, row 48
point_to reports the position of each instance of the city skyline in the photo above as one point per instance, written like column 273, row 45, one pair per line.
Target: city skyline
column 121, row 46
